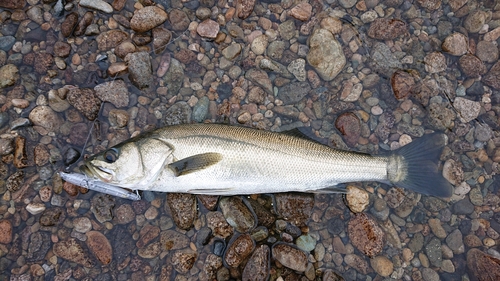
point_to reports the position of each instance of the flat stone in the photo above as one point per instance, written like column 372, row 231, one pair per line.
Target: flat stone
column 455, row 44
column 45, row 117
column 85, row 101
column 366, row 235
column 99, row 5
column 8, row 75
column 238, row 250
column 382, row 265
column 387, row 29
column 110, row 39
column 183, row 260
column 115, row 92
column 5, row 232
column 257, row 267
column 237, row 214
column 468, row 109
column 290, row 256
column 72, row 250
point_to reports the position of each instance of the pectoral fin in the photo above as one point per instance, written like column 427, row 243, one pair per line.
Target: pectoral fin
column 194, row 163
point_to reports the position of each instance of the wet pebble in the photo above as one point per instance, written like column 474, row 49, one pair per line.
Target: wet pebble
column 110, row 39
column 366, row 235
column 237, row 214
column 455, row 242
column 85, row 101
column 306, row 243
column 434, row 252
column 35, row 208
column 350, row 126
column 382, row 265
column 295, row 208
column 99, row 5
column 482, row 265
column 471, row 65
column 238, row 250
column 437, row 228
column 301, row 11
column 178, row 113
column 452, row 171
column 5, row 231
column 290, row 256
column 211, row 265
column 183, row 260
column 69, row 24
column 325, row 54
column 468, row 109
column 99, row 246
column 8, row 75
column 148, row 18
column 101, row 206
column 124, row 214
column 52, row 216
column 173, row 240
column 257, row 267
column 82, row 224
column 435, row 62
column 208, row 29
column 45, row 117
column 140, row 70
column 71, row 250
column 115, row 92
column 150, row 251
column 147, row 234
column 39, row 245
column 183, row 209
column 387, row 29
column 218, row 224
column 200, row 109
column 455, row 44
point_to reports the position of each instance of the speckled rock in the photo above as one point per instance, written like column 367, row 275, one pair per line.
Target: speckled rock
column 434, row 253
column 110, row 39
column 349, row 126
column 293, row 92
column 383, row 61
column 99, row 246
column 38, row 246
column 290, row 256
column 468, row 109
column 357, row 199
column 257, row 267
column 471, row 65
column 183, row 260
column 208, row 29
column 475, row 20
column 99, row 5
column 430, row 5
column 72, row 250
column 238, row 250
column 301, row 11
column 183, row 209
column 435, row 62
column 298, row 69
column 140, row 70
column 366, row 235
column 69, row 23
column 483, row 266
column 455, row 44
column 237, row 213
column 8, row 75
column 295, row 208
column 115, row 92
column 174, row 76
column 173, row 240
column 261, row 79
column 387, row 29
column 178, row 113
column 124, row 214
column 148, row 18
column 52, row 216
column 101, row 206
column 150, row 251
column 5, row 231
column 45, row 117
column 325, row 54
column 82, row 224
column 178, row 19
column 403, row 83
column 85, row 101
column 218, row 224
column 440, row 116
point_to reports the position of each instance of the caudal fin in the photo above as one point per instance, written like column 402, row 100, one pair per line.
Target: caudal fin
column 416, row 167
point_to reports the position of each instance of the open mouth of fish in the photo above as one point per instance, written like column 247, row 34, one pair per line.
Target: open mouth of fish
column 92, row 171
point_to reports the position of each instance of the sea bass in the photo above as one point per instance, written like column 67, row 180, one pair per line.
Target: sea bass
column 227, row 160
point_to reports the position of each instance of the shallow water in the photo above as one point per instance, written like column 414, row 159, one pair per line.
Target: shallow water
column 433, row 69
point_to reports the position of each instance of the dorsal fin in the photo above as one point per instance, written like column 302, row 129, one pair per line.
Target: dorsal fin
column 305, row 133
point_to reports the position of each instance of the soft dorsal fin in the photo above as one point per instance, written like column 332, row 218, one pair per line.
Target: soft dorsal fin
column 194, row 163
column 305, row 133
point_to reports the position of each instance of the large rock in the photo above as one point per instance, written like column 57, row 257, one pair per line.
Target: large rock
column 148, row 18
column 325, row 54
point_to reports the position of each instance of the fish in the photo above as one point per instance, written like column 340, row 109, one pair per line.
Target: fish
column 218, row 159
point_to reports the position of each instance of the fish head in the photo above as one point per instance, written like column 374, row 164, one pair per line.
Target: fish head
column 132, row 164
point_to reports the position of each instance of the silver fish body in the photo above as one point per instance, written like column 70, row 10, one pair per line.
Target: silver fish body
column 227, row 160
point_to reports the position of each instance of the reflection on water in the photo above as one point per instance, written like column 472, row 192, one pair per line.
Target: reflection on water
column 77, row 77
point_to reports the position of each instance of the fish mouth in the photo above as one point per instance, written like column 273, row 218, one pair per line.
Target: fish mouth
column 96, row 172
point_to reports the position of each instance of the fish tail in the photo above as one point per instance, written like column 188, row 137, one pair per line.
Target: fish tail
column 415, row 167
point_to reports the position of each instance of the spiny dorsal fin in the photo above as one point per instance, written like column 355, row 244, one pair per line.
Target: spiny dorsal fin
column 194, row 163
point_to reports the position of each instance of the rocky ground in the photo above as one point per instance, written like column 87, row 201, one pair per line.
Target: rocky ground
column 77, row 77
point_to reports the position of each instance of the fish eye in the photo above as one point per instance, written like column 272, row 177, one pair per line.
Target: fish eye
column 111, row 155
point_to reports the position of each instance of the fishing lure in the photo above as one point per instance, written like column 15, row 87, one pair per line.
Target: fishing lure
column 99, row 186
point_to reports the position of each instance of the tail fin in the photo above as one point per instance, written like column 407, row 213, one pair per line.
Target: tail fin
column 414, row 166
